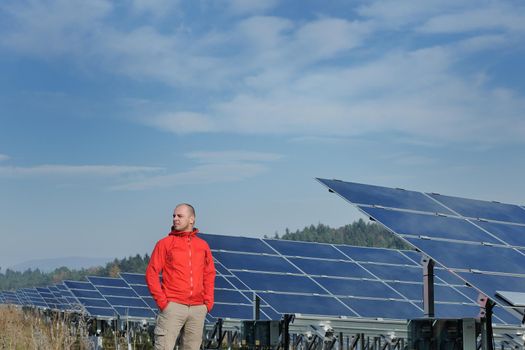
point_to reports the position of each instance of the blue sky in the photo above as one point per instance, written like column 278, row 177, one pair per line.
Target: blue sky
column 112, row 112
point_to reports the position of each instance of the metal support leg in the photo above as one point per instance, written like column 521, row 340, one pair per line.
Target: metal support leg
column 485, row 315
column 428, row 286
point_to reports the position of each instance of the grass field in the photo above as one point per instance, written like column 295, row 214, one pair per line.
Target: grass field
column 22, row 330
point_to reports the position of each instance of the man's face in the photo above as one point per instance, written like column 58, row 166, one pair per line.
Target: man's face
column 183, row 220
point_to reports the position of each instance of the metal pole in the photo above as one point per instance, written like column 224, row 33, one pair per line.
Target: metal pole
column 428, row 286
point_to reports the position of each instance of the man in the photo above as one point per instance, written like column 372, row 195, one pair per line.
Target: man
column 188, row 276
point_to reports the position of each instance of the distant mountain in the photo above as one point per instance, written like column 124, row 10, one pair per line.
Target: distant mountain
column 72, row 263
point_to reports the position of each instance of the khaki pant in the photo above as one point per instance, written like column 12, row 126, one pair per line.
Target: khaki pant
column 172, row 319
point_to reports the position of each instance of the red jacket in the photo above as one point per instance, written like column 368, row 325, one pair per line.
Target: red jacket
column 188, row 272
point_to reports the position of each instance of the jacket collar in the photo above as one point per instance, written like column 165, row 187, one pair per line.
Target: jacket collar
column 184, row 233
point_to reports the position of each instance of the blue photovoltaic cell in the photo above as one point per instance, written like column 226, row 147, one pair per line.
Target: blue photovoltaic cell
column 449, row 294
column 443, row 310
column 358, row 288
column 306, row 304
column 79, row 285
column 107, row 281
column 151, row 303
column 395, row 273
column 330, row 268
column 474, row 208
column 406, row 223
column 412, row 255
column 48, row 297
column 242, row 312
column 120, row 292
column 94, row 302
column 130, row 302
column 306, row 249
column 11, row 298
column 383, row 308
column 378, row 255
column 236, row 244
column 236, row 283
column 384, row 196
column 270, row 314
column 414, row 291
column 447, row 276
column 230, row 296
column 489, row 284
column 472, row 256
column 279, row 283
column 221, row 270
column 93, row 294
column 142, row 291
column 134, row 312
column 510, row 234
column 133, row 278
column 254, row 262
column 504, row 316
column 101, row 311
column 222, row 282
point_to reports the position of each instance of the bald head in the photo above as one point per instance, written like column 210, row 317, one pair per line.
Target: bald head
column 184, row 217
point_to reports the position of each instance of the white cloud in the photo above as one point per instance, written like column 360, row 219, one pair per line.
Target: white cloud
column 182, row 122
column 233, row 156
column 156, row 8
column 494, row 16
column 212, row 167
column 52, row 27
column 3, row 157
column 322, row 77
column 248, row 7
column 75, row 170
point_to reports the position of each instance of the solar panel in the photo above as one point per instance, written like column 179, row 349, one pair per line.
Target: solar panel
column 260, row 281
column 384, row 197
column 238, row 244
column 121, row 297
column 91, row 300
column 358, row 274
column 10, row 297
column 430, row 225
column 331, row 268
column 395, row 309
column 357, row 287
column 34, row 297
column 49, row 298
column 305, row 249
column 254, row 262
column 137, row 282
column 474, row 208
column 475, row 239
column 307, row 304
column 376, row 255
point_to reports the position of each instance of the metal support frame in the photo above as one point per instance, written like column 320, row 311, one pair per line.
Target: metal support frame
column 485, row 315
column 284, row 330
column 256, row 307
column 428, row 286
column 216, row 333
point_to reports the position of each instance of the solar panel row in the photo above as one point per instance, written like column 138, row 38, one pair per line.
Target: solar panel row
column 481, row 242
column 289, row 277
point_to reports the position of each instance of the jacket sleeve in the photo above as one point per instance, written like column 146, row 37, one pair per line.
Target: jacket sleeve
column 155, row 267
column 209, row 279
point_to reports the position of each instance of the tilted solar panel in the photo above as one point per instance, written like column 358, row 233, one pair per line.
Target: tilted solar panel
column 474, row 239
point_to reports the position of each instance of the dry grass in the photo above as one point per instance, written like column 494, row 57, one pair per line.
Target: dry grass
column 33, row 330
